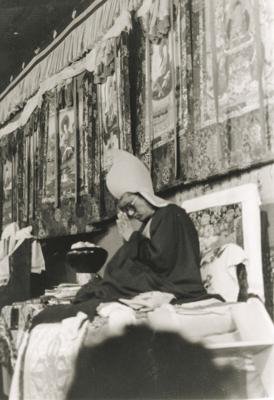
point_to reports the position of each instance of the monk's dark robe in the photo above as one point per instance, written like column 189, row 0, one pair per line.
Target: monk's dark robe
column 168, row 261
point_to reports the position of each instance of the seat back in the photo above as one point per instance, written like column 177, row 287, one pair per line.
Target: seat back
column 231, row 216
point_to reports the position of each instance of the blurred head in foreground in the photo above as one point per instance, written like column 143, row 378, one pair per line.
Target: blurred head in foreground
column 145, row 364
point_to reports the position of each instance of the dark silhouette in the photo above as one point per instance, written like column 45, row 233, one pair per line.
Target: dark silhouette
column 145, row 364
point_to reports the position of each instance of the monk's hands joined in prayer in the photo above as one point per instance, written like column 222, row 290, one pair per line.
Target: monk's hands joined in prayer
column 124, row 225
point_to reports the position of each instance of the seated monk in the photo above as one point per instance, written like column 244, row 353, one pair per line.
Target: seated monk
column 162, row 255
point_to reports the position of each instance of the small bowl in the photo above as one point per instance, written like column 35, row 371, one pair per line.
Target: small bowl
column 87, row 259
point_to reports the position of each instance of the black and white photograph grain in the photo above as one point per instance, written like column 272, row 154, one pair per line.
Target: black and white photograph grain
column 136, row 199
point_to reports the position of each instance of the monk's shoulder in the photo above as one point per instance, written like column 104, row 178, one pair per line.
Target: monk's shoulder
column 171, row 211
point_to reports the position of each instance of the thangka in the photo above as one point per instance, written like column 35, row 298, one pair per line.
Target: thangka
column 233, row 94
column 113, row 105
column 163, row 111
column 114, row 113
column 7, row 192
column 66, row 121
column 163, row 114
column 49, row 172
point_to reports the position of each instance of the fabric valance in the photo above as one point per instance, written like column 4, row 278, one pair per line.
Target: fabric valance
column 79, row 37
column 98, row 60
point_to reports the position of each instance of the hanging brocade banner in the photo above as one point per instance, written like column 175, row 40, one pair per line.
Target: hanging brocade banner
column 163, row 124
column 83, row 155
column 109, row 136
column 1, row 195
column 229, row 84
column 138, row 68
column 27, row 173
column 26, row 165
column 35, row 164
column 20, row 176
column 67, row 152
column 50, row 144
column 184, row 86
column 114, row 115
column 69, row 216
column 109, row 119
column 233, row 97
column 14, row 196
column 7, row 192
column 91, row 146
column 158, row 55
column 31, row 176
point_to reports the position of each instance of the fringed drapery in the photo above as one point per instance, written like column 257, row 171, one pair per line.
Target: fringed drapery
column 57, row 80
column 79, row 38
column 100, row 60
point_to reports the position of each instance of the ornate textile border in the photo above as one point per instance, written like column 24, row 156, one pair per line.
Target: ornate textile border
column 248, row 196
column 79, row 38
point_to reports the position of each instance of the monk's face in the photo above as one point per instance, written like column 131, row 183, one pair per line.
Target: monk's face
column 136, row 207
